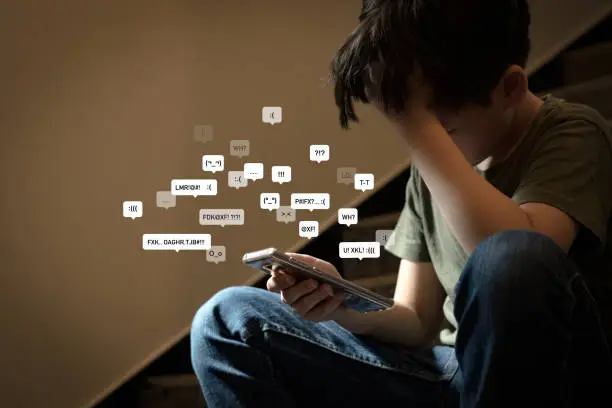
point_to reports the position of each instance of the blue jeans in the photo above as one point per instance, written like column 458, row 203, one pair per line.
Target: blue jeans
column 529, row 335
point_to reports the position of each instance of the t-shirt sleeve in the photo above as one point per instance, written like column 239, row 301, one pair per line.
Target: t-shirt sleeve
column 572, row 171
column 407, row 240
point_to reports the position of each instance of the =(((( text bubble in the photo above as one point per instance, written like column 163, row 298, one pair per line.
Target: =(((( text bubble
column 281, row 174
column 194, row 187
column 175, row 242
column 236, row 179
column 132, row 209
column 269, row 201
column 222, row 217
column 213, row 162
column 347, row 216
column 310, row 201
column 216, row 254
column 383, row 236
column 272, row 114
column 240, row 148
column 308, row 229
column 253, row 171
column 359, row 250
column 364, row 181
column 319, row 153
column 285, row 214
column 346, row 175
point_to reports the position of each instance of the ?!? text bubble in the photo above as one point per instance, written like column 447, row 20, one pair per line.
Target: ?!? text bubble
column 347, row 216
column 269, row 201
column 308, row 229
column 132, row 209
column 194, row 187
column 236, row 179
column 383, row 236
column 240, row 148
column 281, row 174
column 346, row 175
column 222, row 216
column 165, row 199
column 253, row 171
column 272, row 114
column 359, row 250
column 285, row 214
column 175, row 242
column 216, row 254
column 310, row 201
column 213, row 162
column 364, row 181
column 319, row 153
column 203, row 133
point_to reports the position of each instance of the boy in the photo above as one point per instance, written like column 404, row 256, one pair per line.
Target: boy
column 507, row 212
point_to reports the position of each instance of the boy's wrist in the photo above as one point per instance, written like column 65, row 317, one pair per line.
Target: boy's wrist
column 351, row 319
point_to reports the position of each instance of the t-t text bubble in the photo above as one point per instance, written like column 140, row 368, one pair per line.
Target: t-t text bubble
column 175, row 242
column 272, row 114
column 213, row 162
column 253, row 171
column 216, row 254
column 308, row 229
column 364, row 181
column 346, row 175
column 359, row 250
column 347, row 216
column 222, row 216
column 203, row 133
column 319, row 153
column 269, row 201
column 285, row 214
column 236, row 179
column 240, row 148
column 132, row 209
column 165, row 199
column 281, row 174
column 194, row 187
column 310, row 201
column 383, row 236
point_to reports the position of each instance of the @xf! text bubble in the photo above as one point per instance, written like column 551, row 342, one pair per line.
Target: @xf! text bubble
column 359, row 250
column 175, row 242
column 281, row 174
column 213, row 162
column 347, row 216
column 236, row 179
column 285, row 213
column 319, row 153
column 216, row 254
column 240, row 148
column 346, row 175
column 132, row 209
column 364, row 181
column 195, row 187
column 269, row 201
column 310, row 201
column 253, row 171
column 308, row 229
column 222, row 216
column 165, row 199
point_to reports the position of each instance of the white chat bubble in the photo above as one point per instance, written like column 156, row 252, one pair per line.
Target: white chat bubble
column 213, row 162
column 194, row 187
column 359, row 250
column 272, row 114
column 308, row 229
column 319, row 153
column 221, row 216
column 165, row 199
column 383, row 236
column 364, row 181
column 132, row 209
column 347, row 216
column 236, row 179
column 240, row 148
column 346, row 175
column 281, row 174
column 203, row 133
column 176, row 242
column 269, row 201
column 253, row 171
column 285, row 213
column 310, row 201
column 216, row 254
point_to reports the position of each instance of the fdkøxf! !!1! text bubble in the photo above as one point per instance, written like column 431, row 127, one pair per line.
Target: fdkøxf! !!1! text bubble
column 240, row 148
column 194, row 187
column 310, row 201
column 213, row 162
column 347, row 216
column 308, row 229
column 176, row 242
column 222, row 216
column 269, row 201
column 359, row 250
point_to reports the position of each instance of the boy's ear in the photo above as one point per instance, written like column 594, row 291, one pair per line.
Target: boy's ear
column 513, row 86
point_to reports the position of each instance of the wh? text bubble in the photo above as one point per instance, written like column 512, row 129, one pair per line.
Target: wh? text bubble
column 203, row 133
column 236, row 179
column 285, row 213
column 216, row 254
column 272, row 114
column 383, row 236
column 194, row 187
column 281, row 174
column 240, row 148
column 308, row 229
column 359, row 250
column 346, row 175
column 319, row 153
column 347, row 216
column 175, row 242
column 213, row 162
column 222, row 216
column 310, row 201
column 165, row 199
column 269, row 201
column 253, row 171
column 364, row 181
column 132, row 209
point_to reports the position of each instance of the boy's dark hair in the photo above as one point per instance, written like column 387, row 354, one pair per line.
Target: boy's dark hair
column 462, row 48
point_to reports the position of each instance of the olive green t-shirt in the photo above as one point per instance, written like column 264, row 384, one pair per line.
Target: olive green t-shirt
column 565, row 160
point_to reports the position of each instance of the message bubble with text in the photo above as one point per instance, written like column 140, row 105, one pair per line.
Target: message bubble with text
column 346, row 175
column 194, row 187
column 175, row 242
column 359, row 250
column 281, row 174
column 132, row 209
column 272, row 114
column 216, row 254
column 222, row 216
column 236, row 179
column 319, row 153
column 383, row 236
column 165, row 199
column 347, row 216
column 240, row 148
column 364, row 181
column 308, row 229
column 310, row 201
column 253, row 171
column 213, row 162
column 285, row 213
column 203, row 133
column 269, row 201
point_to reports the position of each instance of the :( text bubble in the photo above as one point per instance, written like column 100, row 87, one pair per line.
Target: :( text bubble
column 194, row 187
column 310, row 201
column 240, row 148
column 222, row 216
column 285, row 214
column 175, row 242
column 308, row 229
column 347, row 216
column 364, row 181
column 359, row 250
column 319, row 153
column 216, row 254
column 236, row 179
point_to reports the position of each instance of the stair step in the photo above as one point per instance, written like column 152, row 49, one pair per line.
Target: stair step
column 586, row 63
column 172, row 391
column 596, row 93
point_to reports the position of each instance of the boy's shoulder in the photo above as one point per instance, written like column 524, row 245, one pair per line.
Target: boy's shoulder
column 559, row 112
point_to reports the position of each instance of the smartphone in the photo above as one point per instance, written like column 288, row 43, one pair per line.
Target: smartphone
column 356, row 297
